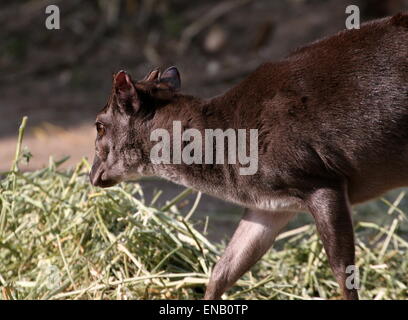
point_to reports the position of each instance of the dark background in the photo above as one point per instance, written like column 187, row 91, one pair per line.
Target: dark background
column 62, row 78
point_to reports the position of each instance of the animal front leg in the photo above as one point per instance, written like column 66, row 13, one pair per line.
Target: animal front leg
column 254, row 236
column 331, row 211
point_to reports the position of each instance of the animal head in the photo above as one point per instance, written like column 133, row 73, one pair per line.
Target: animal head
column 123, row 125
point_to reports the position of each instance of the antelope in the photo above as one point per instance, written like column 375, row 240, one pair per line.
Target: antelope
column 332, row 121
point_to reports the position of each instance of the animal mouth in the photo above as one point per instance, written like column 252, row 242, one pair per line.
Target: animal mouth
column 99, row 179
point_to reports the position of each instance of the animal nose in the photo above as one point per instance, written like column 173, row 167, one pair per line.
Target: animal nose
column 95, row 177
column 99, row 180
column 96, row 173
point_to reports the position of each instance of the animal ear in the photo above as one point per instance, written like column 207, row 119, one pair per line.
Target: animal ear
column 123, row 84
column 152, row 75
column 171, row 78
column 125, row 90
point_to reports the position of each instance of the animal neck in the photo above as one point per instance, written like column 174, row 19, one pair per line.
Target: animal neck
column 195, row 113
column 184, row 113
column 200, row 113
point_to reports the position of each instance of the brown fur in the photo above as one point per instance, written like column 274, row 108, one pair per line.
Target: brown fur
column 333, row 131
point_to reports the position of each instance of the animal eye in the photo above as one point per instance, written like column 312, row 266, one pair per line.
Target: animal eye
column 100, row 129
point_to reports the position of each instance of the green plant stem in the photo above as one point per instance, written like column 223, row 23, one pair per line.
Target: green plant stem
column 21, row 130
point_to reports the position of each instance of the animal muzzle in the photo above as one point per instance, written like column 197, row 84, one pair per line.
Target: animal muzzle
column 98, row 176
